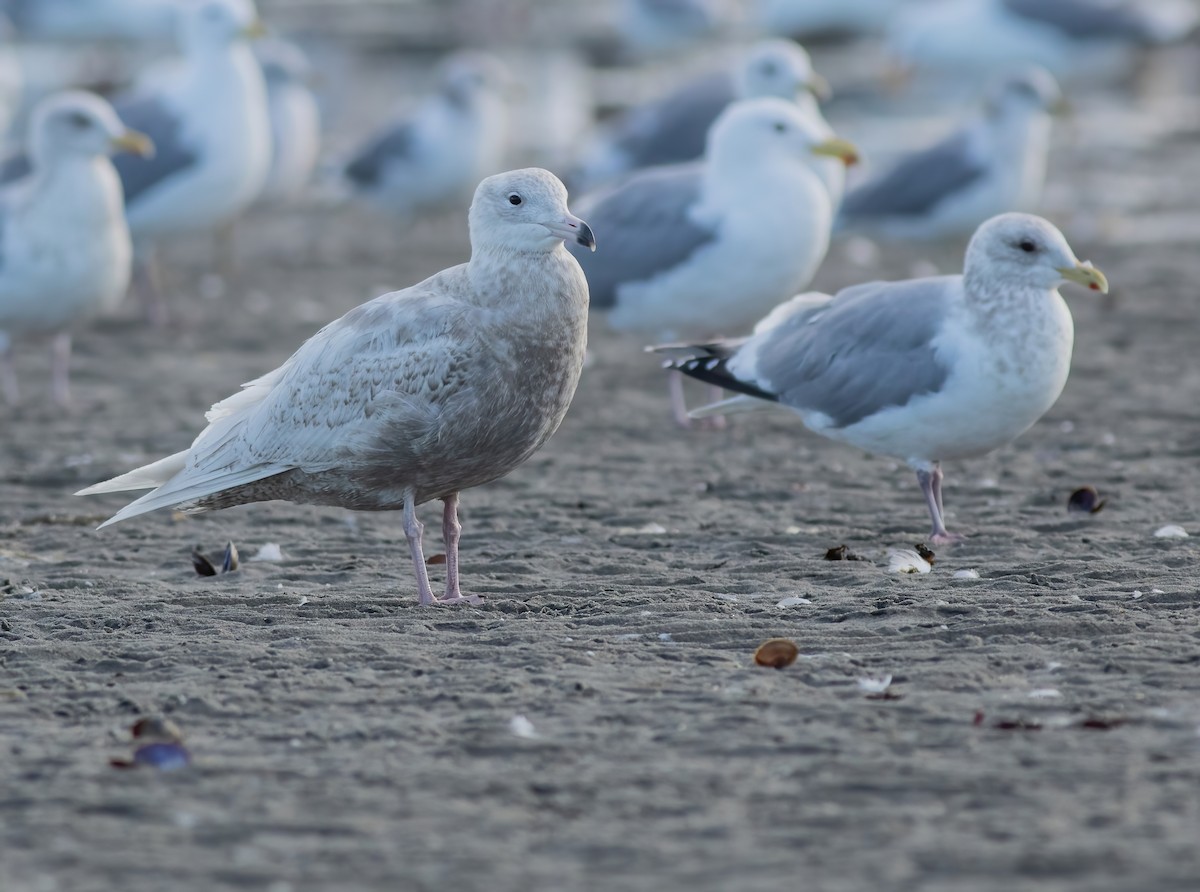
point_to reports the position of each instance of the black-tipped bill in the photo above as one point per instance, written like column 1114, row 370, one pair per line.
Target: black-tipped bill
column 586, row 237
column 575, row 230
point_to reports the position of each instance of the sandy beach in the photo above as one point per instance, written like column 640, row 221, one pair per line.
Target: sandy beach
column 599, row 723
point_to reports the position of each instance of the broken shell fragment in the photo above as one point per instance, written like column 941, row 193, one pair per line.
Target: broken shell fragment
column 229, row 560
column 776, row 653
column 842, row 553
column 203, row 565
column 1085, row 499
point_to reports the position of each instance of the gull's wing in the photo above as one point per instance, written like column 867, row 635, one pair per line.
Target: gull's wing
column 1120, row 19
column 920, row 182
column 173, row 155
column 643, row 227
column 398, row 142
column 674, row 128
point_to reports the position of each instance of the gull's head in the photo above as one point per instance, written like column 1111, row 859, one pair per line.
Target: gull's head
column 282, row 62
column 1027, row 251
column 755, row 133
column 525, row 211
column 208, row 23
column 1027, row 89
column 469, row 74
column 780, row 68
column 81, row 124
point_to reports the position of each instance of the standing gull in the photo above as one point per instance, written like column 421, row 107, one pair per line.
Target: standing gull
column 993, row 164
column 208, row 118
column 65, row 251
column 413, row 396
column 673, row 129
column 447, row 144
column 920, row 370
column 1087, row 37
column 703, row 249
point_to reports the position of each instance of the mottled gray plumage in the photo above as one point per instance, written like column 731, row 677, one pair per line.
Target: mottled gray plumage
column 1119, row 19
column 918, row 183
column 646, row 229
column 416, row 395
column 396, row 143
column 866, row 350
column 172, row 155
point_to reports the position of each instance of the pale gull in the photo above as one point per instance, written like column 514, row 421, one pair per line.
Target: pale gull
column 1090, row 38
column 920, row 370
column 295, row 119
column 65, row 250
column 673, row 129
column 436, row 153
column 413, row 396
column 703, row 249
column 994, row 163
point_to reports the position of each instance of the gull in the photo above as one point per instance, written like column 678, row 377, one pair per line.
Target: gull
column 653, row 28
column 994, row 163
column 295, row 119
column 207, row 116
column 703, row 249
column 673, row 129
column 819, row 18
column 436, row 153
column 1086, row 37
column 921, row 370
column 65, row 250
column 416, row 395
column 91, row 20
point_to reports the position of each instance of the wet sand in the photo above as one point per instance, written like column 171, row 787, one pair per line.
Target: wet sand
column 1044, row 730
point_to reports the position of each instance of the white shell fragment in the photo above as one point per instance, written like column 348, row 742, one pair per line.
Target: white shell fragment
column 519, row 726
column 966, row 574
column 269, row 552
column 1171, row 531
column 793, row 601
column 905, row 560
column 875, row 685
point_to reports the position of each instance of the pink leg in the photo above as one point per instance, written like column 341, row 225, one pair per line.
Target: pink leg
column 451, row 529
column 60, row 369
column 412, row 532
column 678, row 400
column 931, row 485
column 937, row 489
column 716, row 393
column 8, row 372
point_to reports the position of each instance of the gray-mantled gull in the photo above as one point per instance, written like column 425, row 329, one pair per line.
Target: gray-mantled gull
column 295, row 119
column 1094, row 38
column 651, row 28
column 413, row 396
column 65, row 251
column 437, row 153
column 993, row 164
column 920, row 370
column 703, row 249
column 673, row 129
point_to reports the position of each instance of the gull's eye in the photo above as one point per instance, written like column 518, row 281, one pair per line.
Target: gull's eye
column 780, row 127
column 514, row 199
column 1027, row 245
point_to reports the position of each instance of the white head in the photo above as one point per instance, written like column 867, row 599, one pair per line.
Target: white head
column 1025, row 251
column 1028, row 89
column 469, row 74
column 218, row 23
column 780, row 68
column 525, row 211
column 79, row 124
column 756, row 132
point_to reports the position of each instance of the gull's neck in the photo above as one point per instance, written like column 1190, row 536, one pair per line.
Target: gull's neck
column 543, row 280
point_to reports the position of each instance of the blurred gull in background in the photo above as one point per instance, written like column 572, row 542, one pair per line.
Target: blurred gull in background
column 65, row 253
column 994, row 163
column 437, row 153
column 674, row 128
column 822, row 18
column 295, row 119
column 705, row 248
column 920, row 370
column 652, row 28
column 207, row 116
column 1084, row 37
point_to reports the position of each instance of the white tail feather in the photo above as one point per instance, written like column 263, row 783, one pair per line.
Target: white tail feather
column 146, row 477
column 180, row 490
column 732, row 406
